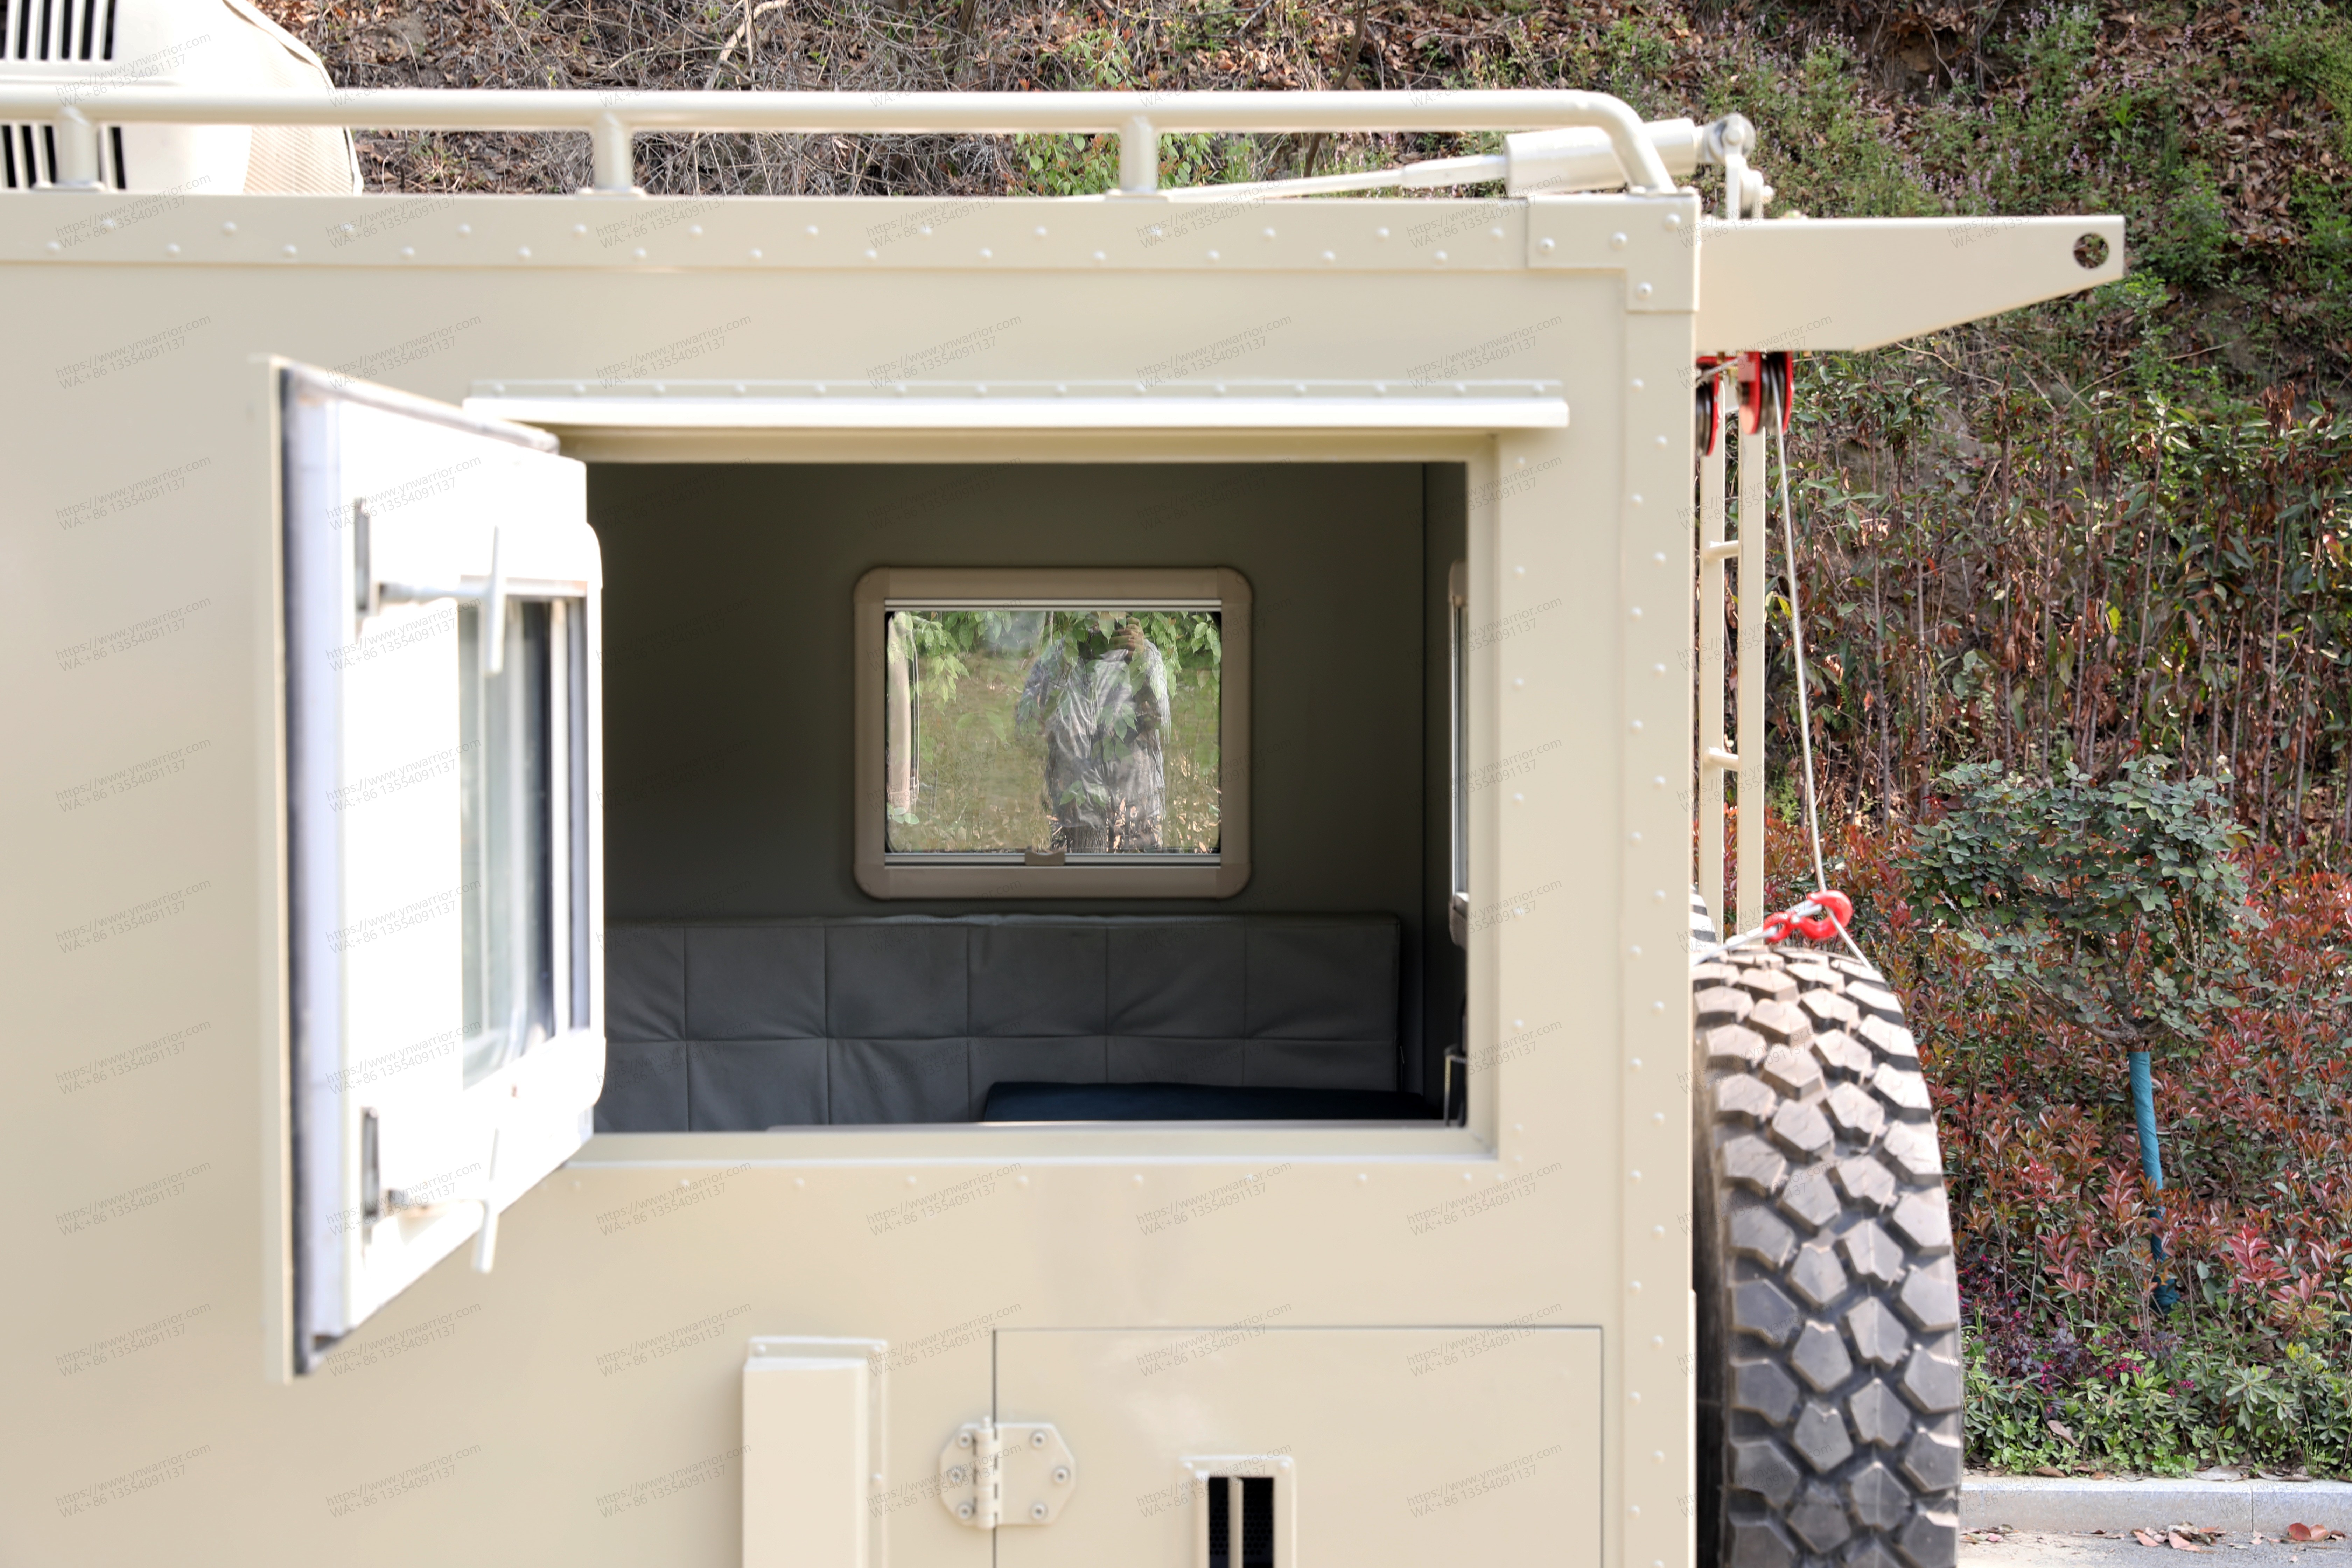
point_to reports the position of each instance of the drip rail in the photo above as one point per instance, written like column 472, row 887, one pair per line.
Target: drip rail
column 612, row 119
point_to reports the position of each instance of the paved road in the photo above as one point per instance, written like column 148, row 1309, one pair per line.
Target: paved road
column 2029, row 1549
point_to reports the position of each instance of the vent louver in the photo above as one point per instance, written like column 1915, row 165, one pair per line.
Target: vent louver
column 1252, row 1544
column 59, row 31
column 1244, row 1510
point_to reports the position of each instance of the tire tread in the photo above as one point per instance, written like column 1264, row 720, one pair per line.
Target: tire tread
column 1835, row 1304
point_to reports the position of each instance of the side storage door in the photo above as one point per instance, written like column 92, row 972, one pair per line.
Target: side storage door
column 1246, row 1446
column 442, row 721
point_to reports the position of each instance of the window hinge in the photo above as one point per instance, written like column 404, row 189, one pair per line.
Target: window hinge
column 1020, row 1473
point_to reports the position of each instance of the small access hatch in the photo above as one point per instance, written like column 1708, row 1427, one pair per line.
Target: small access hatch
column 442, row 714
column 1249, row 1448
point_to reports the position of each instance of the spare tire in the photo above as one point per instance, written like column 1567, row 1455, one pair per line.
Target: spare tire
column 1829, row 1349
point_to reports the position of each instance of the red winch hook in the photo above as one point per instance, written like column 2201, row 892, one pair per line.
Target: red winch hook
column 1821, row 918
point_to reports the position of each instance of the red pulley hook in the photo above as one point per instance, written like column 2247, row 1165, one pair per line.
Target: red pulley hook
column 1836, row 914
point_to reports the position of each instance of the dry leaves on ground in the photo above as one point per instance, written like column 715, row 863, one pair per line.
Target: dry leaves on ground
column 2181, row 1538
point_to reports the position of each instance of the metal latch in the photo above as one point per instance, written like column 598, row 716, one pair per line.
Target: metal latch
column 1019, row 1473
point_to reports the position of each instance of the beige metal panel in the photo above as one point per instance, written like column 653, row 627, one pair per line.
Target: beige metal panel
column 495, row 1394
column 1402, row 1447
column 1057, row 312
column 1649, row 240
column 1649, row 1377
column 982, row 235
column 1855, row 283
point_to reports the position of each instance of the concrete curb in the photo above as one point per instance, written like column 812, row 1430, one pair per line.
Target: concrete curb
column 2069, row 1506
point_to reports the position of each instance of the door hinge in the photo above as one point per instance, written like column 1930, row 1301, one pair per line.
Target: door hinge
column 1019, row 1473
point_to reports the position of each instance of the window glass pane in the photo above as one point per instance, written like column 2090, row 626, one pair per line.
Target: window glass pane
column 1088, row 732
column 502, row 767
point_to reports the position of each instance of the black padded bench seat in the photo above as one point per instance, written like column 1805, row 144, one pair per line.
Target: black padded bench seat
column 899, row 1019
column 1197, row 1102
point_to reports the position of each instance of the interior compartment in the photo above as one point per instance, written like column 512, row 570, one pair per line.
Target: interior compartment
column 751, row 983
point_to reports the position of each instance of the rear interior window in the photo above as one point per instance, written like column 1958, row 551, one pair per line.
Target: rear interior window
column 1085, row 731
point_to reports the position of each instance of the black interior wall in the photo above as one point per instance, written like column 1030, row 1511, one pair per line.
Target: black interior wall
column 1445, row 509
column 728, row 678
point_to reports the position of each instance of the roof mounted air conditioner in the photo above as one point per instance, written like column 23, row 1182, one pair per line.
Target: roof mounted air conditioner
column 94, row 50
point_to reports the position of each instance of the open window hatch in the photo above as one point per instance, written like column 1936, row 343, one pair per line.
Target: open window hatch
column 440, row 590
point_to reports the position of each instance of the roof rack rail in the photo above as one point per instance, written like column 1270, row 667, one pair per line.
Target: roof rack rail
column 612, row 119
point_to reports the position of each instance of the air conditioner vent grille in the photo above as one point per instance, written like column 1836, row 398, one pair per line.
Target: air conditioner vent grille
column 61, row 30
column 57, row 29
column 29, row 157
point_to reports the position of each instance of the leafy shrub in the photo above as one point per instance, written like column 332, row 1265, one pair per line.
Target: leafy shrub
column 2110, row 902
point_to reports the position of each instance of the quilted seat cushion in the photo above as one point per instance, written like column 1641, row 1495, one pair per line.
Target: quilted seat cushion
column 914, row 1017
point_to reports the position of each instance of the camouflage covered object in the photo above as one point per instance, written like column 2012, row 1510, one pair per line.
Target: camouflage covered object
column 1102, row 713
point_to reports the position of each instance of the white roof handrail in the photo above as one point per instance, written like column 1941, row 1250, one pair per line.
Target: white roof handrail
column 612, row 118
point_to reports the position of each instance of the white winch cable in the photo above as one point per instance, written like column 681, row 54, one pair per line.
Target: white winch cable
column 1804, row 708
column 1753, row 933
column 1428, row 173
column 1797, row 641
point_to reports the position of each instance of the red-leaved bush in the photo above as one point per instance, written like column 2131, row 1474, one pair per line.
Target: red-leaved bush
column 2051, row 1212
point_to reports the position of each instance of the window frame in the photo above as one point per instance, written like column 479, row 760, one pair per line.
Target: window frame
column 884, row 874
